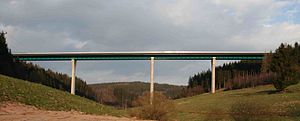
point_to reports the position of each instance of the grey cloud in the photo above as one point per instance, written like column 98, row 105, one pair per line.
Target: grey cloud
column 129, row 25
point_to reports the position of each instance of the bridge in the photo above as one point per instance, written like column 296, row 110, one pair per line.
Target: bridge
column 141, row 55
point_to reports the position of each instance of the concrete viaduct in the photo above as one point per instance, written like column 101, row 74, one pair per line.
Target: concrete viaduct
column 141, row 55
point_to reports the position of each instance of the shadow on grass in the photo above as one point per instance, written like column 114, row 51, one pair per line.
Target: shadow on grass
column 274, row 92
column 265, row 92
column 268, row 92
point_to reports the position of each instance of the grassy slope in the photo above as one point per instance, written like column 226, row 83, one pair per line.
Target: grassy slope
column 217, row 106
column 48, row 98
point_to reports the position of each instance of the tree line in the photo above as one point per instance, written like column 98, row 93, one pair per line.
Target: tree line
column 34, row 73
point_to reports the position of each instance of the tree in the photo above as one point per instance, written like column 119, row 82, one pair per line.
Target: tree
column 285, row 66
column 6, row 65
column 3, row 45
column 159, row 110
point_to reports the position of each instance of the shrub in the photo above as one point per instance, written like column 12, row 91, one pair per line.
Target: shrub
column 294, row 109
column 159, row 110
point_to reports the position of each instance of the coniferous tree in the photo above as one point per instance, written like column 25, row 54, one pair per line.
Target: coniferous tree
column 285, row 65
column 6, row 65
column 3, row 45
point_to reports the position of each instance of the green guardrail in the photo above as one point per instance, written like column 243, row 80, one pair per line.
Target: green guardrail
column 141, row 58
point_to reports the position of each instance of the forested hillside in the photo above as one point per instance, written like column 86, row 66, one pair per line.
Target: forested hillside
column 121, row 94
column 33, row 73
column 235, row 75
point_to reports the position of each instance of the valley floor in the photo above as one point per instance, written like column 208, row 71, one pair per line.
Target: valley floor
column 11, row 111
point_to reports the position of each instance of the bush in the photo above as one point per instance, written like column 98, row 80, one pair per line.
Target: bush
column 293, row 109
column 159, row 110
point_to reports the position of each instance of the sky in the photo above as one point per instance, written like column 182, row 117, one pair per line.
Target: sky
column 143, row 25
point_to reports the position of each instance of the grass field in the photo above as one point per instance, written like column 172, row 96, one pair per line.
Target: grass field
column 47, row 98
column 219, row 106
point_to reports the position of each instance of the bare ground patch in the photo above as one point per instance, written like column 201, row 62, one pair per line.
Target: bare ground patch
column 11, row 111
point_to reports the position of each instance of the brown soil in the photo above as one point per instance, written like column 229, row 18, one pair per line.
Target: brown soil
column 11, row 111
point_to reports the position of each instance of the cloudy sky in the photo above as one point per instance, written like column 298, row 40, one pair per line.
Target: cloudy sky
column 141, row 25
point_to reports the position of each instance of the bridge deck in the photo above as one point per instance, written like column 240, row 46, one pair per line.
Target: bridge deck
column 140, row 55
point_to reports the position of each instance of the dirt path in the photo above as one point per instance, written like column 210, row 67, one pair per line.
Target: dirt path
column 18, row 112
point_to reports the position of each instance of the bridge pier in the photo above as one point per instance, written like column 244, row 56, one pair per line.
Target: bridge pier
column 73, row 76
column 213, row 74
column 151, row 80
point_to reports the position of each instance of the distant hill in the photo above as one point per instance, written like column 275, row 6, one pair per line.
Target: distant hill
column 121, row 94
